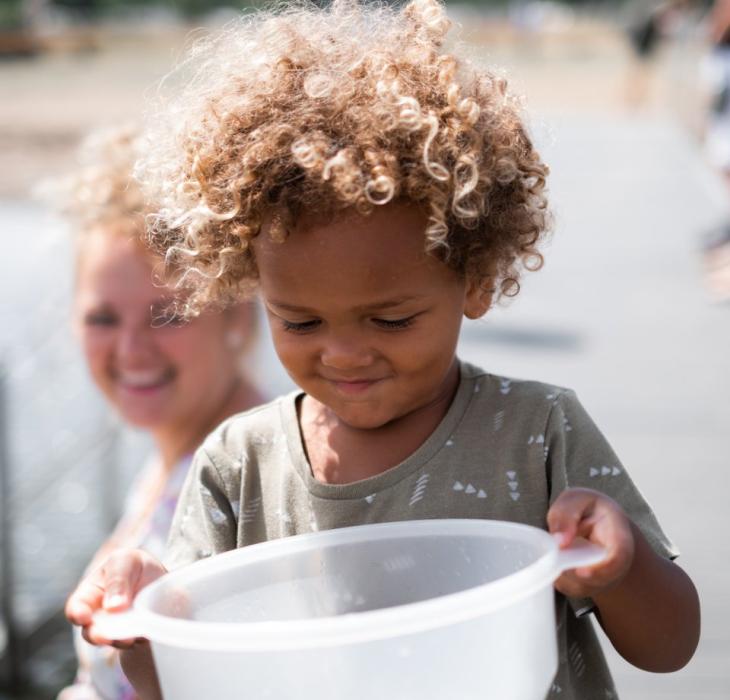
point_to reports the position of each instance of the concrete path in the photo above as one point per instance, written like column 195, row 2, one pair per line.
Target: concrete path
column 620, row 315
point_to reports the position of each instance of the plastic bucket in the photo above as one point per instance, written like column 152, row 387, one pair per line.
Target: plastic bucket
column 417, row 610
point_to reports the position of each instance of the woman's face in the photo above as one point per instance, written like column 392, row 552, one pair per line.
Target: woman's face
column 158, row 373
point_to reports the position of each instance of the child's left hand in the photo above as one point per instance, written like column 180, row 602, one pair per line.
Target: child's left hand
column 596, row 517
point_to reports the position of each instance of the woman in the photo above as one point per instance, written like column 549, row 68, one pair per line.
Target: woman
column 175, row 380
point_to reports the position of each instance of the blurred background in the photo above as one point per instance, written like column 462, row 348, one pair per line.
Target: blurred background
column 631, row 309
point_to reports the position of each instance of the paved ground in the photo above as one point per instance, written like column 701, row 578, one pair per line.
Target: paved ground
column 618, row 313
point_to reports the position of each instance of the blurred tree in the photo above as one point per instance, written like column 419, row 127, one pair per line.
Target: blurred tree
column 11, row 14
column 196, row 7
column 9, row 8
column 95, row 8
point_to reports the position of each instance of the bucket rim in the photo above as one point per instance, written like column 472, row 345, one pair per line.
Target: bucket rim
column 352, row 628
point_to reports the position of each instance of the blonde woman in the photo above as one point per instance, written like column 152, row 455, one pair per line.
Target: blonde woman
column 177, row 380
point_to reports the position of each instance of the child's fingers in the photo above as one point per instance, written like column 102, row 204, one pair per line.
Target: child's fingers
column 126, row 572
column 122, row 573
column 611, row 527
column 85, row 600
column 83, row 604
column 90, row 635
column 111, row 587
column 106, row 587
column 600, row 519
column 567, row 513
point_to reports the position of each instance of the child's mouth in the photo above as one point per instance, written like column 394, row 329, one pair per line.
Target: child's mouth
column 353, row 386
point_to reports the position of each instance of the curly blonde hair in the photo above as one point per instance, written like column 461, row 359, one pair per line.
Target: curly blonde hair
column 102, row 197
column 102, row 192
column 351, row 107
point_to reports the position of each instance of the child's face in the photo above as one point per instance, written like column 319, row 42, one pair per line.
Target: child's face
column 362, row 318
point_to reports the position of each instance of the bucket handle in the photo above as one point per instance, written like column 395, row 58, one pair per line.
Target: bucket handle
column 579, row 553
column 127, row 624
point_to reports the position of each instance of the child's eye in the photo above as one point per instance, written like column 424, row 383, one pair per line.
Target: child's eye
column 301, row 327
column 100, row 318
column 394, row 324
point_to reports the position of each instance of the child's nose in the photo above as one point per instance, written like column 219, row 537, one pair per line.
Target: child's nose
column 345, row 352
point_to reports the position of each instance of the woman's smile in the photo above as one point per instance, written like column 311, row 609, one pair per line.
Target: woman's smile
column 144, row 382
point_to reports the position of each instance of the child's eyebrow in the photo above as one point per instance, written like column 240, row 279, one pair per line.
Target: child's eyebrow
column 375, row 306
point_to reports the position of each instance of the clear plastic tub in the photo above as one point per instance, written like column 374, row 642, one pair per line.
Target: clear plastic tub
column 417, row 610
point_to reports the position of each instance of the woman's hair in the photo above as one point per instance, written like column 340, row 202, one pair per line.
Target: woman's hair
column 102, row 197
column 323, row 110
column 102, row 192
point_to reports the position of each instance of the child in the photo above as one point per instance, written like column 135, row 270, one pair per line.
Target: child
column 377, row 189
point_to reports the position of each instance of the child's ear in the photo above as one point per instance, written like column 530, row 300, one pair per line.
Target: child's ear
column 478, row 298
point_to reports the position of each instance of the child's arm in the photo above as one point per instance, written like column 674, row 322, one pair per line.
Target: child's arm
column 112, row 587
column 646, row 604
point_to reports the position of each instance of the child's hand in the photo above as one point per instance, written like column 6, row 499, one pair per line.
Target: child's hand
column 111, row 587
column 599, row 519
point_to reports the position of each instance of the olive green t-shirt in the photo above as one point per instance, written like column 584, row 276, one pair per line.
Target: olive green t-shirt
column 504, row 450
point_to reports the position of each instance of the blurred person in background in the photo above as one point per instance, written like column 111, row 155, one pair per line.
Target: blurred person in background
column 716, row 77
column 175, row 380
column 645, row 34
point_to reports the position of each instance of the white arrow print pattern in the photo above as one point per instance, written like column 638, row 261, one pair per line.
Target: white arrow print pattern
column 469, row 489
column 419, row 490
column 604, row 470
column 250, row 511
column 514, row 486
column 498, row 421
column 576, row 659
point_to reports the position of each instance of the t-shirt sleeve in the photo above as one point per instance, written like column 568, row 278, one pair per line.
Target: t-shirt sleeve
column 579, row 456
column 204, row 522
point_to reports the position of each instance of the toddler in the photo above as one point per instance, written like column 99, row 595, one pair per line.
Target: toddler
column 375, row 188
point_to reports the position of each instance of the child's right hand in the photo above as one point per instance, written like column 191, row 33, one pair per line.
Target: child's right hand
column 111, row 587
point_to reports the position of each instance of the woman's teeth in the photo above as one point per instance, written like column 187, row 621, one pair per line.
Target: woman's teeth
column 143, row 379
